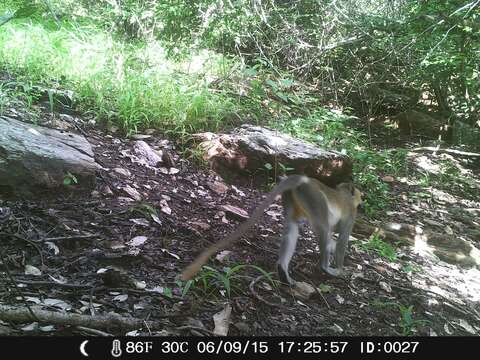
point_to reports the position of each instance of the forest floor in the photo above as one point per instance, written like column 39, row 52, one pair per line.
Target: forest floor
column 106, row 253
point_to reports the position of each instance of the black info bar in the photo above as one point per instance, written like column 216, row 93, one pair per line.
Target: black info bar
column 251, row 347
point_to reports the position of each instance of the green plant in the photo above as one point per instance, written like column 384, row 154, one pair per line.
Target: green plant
column 143, row 209
column 383, row 304
column 376, row 244
column 410, row 269
column 26, row 9
column 211, row 280
column 4, row 100
column 276, row 170
column 324, row 288
column 184, row 287
column 407, row 322
column 70, row 179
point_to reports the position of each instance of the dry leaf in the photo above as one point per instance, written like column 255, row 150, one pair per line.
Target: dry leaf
column 156, row 219
column 32, row 270
column 141, row 222
column 134, row 194
column 47, row 328
column 385, row 286
column 137, row 241
column 52, row 246
column 121, row 298
column 57, row 303
column 123, row 172
column 164, row 207
column 223, row 255
column 141, row 285
column 171, row 254
column 33, row 299
column 59, row 279
column 237, row 212
column 222, row 321
column 140, row 137
column 238, row 191
column 466, row 326
column 200, row 225
column 31, row 327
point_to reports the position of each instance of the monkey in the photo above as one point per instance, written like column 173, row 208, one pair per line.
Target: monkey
column 327, row 209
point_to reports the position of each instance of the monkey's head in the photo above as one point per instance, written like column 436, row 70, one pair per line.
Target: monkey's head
column 357, row 198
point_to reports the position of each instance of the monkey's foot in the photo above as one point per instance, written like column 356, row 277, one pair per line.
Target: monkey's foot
column 284, row 277
column 332, row 271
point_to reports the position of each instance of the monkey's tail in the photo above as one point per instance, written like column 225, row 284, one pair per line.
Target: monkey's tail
column 289, row 183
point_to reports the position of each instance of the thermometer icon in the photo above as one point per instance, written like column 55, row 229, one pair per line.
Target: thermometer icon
column 116, row 349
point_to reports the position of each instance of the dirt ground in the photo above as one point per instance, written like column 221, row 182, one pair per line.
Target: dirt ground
column 104, row 252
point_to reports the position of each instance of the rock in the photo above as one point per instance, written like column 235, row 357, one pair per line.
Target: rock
column 218, row 187
column 412, row 122
column 249, row 148
column 34, row 159
column 167, row 158
column 146, row 154
column 452, row 249
column 303, row 290
column 60, row 100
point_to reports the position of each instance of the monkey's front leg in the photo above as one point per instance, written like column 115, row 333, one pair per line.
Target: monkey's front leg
column 327, row 246
column 342, row 244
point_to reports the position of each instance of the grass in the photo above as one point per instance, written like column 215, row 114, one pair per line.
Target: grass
column 132, row 85
column 376, row 244
column 225, row 282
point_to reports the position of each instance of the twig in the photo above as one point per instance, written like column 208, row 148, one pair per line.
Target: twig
column 53, row 283
column 198, row 328
column 252, row 289
column 71, row 237
column 323, row 297
column 446, row 151
column 9, row 275
column 27, row 241
column 93, row 331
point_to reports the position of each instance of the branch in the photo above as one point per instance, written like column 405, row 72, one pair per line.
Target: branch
column 22, row 315
column 446, row 151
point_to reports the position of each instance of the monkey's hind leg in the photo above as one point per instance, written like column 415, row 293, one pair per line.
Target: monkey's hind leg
column 316, row 205
column 289, row 240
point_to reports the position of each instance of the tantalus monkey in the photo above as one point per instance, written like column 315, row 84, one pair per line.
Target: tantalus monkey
column 328, row 210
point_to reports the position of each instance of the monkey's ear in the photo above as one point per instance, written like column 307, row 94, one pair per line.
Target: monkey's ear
column 350, row 187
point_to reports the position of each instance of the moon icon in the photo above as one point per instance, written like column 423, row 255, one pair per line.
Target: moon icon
column 82, row 348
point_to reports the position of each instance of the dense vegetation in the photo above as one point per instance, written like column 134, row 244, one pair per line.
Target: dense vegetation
column 322, row 70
